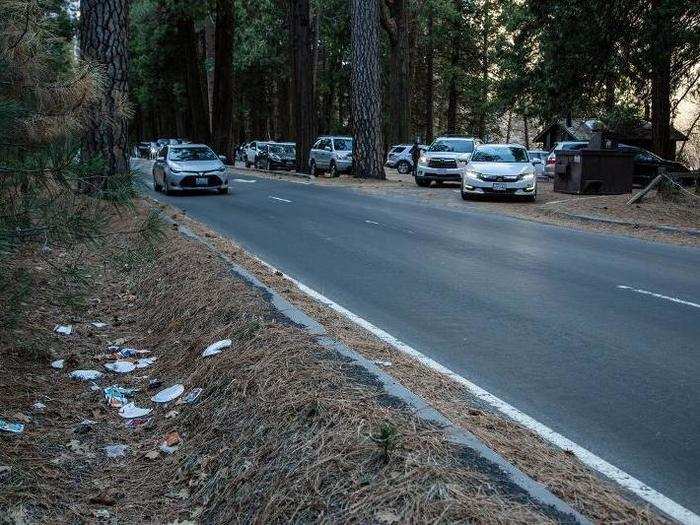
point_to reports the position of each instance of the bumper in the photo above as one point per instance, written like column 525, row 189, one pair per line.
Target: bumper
column 438, row 174
column 283, row 165
column 519, row 188
column 189, row 182
column 343, row 165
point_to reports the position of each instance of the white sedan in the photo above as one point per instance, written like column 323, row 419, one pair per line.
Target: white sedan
column 500, row 169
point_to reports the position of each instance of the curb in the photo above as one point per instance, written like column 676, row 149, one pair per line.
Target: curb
column 274, row 172
column 562, row 511
column 658, row 227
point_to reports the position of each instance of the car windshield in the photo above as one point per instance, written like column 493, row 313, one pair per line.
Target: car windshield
column 342, row 144
column 282, row 149
column 500, row 154
column 187, row 154
column 453, row 146
column 397, row 149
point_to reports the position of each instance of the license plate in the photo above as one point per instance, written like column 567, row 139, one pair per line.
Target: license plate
column 499, row 186
column 201, row 181
column 441, row 171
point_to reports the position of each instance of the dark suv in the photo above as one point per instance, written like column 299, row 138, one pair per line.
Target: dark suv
column 276, row 156
column 646, row 165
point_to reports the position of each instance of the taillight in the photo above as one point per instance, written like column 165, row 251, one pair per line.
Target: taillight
column 551, row 160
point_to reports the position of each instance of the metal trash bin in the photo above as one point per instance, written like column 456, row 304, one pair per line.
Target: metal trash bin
column 594, row 172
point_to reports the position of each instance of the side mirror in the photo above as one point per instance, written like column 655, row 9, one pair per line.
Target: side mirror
column 222, row 158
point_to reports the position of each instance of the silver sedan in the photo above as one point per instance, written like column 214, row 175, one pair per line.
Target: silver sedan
column 189, row 167
column 500, row 169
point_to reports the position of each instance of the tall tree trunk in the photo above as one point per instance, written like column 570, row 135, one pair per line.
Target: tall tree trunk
column 484, row 66
column 303, row 78
column 661, row 83
column 195, row 83
column 452, row 106
column 366, row 84
column 209, row 45
column 395, row 21
column 527, row 132
column 509, row 129
column 283, row 108
column 103, row 40
column 429, row 79
column 222, row 118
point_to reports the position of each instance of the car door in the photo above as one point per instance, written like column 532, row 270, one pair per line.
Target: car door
column 250, row 152
column 159, row 165
column 326, row 152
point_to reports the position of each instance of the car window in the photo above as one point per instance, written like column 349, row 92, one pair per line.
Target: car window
column 189, row 154
column 282, row 149
column 163, row 152
column 575, row 146
column 398, row 149
column 500, row 154
column 342, row 144
column 452, row 146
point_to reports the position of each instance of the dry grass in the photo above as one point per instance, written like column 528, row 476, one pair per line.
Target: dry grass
column 559, row 470
column 284, row 431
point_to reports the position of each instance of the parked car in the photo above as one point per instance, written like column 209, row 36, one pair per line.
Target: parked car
column 646, row 165
column 251, row 152
column 277, row 155
column 332, row 154
column 400, row 157
column 538, row 158
column 500, row 169
column 189, row 167
column 445, row 160
column 142, row 150
column 560, row 146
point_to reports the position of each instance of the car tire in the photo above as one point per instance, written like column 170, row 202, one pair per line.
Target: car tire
column 422, row 182
column 156, row 187
column 334, row 170
column 247, row 164
column 465, row 196
column 166, row 188
column 314, row 172
column 403, row 167
column 223, row 191
column 267, row 165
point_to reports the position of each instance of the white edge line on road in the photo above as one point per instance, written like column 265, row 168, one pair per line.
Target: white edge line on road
column 658, row 500
column 279, row 199
column 372, row 222
column 658, row 295
column 244, row 180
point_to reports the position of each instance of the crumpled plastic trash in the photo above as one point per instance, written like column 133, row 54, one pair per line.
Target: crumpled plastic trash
column 168, row 450
column 38, row 406
column 98, row 324
column 130, row 411
column 139, row 422
column 216, row 348
column 191, row 396
column 383, row 363
column 168, row 394
column 145, row 362
column 115, row 451
column 85, row 375
column 58, row 363
column 117, row 396
column 15, row 428
column 121, row 367
column 64, row 329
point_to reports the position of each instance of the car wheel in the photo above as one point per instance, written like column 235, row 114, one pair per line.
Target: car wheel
column 247, row 164
column 403, row 167
column 223, row 191
column 313, row 169
column 333, row 170
column 166, row 188
column 465, row 196
column 156, row 186
column 422, row 182
column 267, row 165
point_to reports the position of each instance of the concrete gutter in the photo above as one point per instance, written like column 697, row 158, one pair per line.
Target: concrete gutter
column 479, row 451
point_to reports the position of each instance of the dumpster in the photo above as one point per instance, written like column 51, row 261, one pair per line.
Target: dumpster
column 594, row 172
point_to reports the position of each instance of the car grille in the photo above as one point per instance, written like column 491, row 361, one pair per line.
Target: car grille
column 442, row 163
column 191, row 181
column 507, row 191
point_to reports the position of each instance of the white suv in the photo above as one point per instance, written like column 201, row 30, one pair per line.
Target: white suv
column 445, row 160
column 251, row 152
column 400, row 157
column 332, row 154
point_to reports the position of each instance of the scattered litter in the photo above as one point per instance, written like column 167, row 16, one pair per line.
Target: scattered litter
column 216, row 348
column 145, row 361
column 172, row 439
column 85, row 375
column 64, row 329
column 121, row 367
column 139, row 422
column 117, row 396
column 168, row 450
column 101, row 513
column 58, row 363
column 84, row 426
column 38, row 406
column 94, row 387
column 115, row 451
column 383, row 363
column 172, row 414
column 191, row 396
column 131, row 411
column 154, row 383
column 153, row 454
column 98, row 324
column 15, row 428
column 168, row 394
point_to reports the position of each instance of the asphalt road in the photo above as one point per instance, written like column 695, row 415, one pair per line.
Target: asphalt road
column 530, row 312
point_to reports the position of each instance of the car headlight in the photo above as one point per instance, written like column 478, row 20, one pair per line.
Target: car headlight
column 527, row 177
column 474, row 174
column 173, row 170
column 462, row 162
column 423, row 160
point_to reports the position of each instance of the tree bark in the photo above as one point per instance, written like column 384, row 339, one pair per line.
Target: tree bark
column 222, row 103
column 303, row 81
column 395, row 21
column 195, row 84
column 366, row 85
column 661, row 83
column 103, row 40
column 429, row 89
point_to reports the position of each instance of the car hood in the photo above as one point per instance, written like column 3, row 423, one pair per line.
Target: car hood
column 501, row 169
column 196, row 165
column 447, row 155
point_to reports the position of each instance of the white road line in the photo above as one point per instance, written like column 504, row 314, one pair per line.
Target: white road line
column 244, row 180
column 279, row 199
column 658, row 296
column 666, row 505
column 372, row 222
